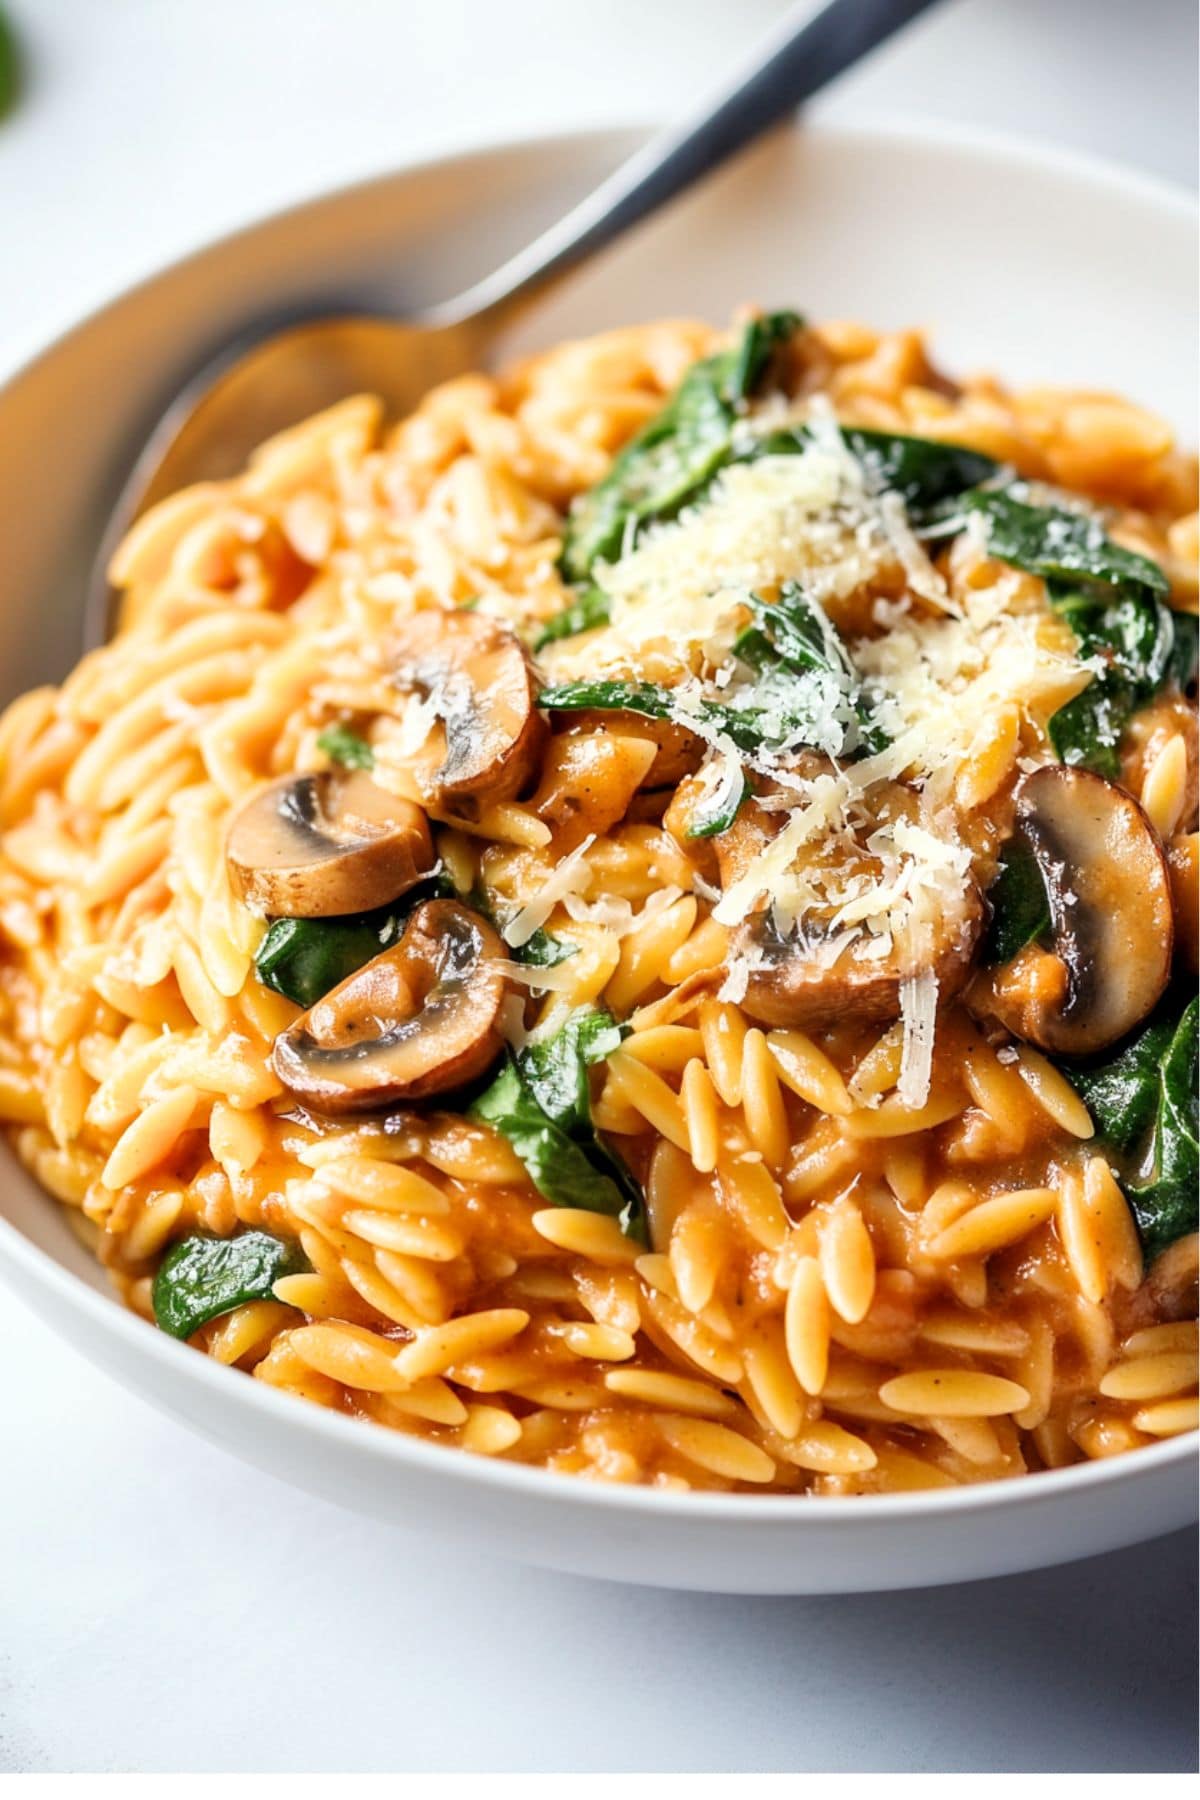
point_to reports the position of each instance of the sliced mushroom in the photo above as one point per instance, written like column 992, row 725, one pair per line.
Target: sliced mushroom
column 423, row 1018
column 315, row 846
column 792, row 981
column 483, row 692
column 1183, row 858
column 1109, row 893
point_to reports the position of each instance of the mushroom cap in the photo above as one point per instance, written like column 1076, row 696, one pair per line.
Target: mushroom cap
column 484, row 692
column 1109, row 892
column 791, row 984
column 793, row 987
column 316, row 846
column 421, row 1018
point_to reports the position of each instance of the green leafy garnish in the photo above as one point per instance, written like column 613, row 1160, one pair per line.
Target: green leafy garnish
column 541, row 1102
column 1185, row 652
column 304, row 959
column 803, row 674
column 590, row 607
column 715, row 811
column 1111, row 597
column 540, row 951
column 804, row 684
column 1131, row 641
column 543, row 950
column 1144, row 1104
column 676, row 453
column 653, row 702
column 556, row 1068
column 922, row 471
column 341, row 745
column 1060, row 545
column 10, row 66
column 1020, row 907
column 202, row 1277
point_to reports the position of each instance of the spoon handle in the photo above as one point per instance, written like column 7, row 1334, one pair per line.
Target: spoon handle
column 803, row 54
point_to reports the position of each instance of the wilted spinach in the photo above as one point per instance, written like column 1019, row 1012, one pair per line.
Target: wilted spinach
column 803, row 682
column 1111, row 597
column 304, row 958
column 1020, row 907
column 541, row 1102
column 202, row 1277
column 590, row 607
column 676, row 452
column 341, row 745
column 1144, row 1104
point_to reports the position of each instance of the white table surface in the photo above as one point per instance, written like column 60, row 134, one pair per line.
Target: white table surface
column 163, row 1608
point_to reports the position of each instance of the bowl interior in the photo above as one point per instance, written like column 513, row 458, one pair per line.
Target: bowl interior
column 1042, row 270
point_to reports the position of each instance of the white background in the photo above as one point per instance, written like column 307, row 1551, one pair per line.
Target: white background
column 163, row 1608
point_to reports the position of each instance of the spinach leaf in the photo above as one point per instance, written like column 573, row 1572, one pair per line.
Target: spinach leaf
column 541, row 1102
column 341, row 745
column 1111, row 597
column 655, row 703
column 556, row 1069
column 796, row 652
column 1122, row 1094
column 541, row 951
column 676, row 453
column 922, row 471
column 788, row 632
column 304, row 958
column 1185, row 652
column 804, row 679
column 202, row 1277
column 1144, row 1104
column 1059, row 545
column 590, row 607
column 1020, row 908
column 10, row 66
column 715, row 811
column 1130, row 641
column 1166, row 1206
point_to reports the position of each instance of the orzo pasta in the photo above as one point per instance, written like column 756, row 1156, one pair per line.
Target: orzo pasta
column 642, row 920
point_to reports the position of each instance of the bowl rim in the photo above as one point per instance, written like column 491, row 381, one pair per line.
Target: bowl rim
column 20, row 1255
column 893, row 129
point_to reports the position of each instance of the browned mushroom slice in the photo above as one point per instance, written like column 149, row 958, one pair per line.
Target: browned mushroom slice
column 315, row 846
column 1183, row 858
column 1109, row 894
column 483, row 692
column 791, row 983
column 423, row 1018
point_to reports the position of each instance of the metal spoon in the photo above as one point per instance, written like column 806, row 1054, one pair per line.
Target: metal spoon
column 279, row 372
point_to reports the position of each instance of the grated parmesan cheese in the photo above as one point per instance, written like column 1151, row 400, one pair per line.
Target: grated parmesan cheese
column 918, row 1013
column 570, row 876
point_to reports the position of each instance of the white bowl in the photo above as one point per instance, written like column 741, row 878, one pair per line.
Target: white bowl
column 1041, row 267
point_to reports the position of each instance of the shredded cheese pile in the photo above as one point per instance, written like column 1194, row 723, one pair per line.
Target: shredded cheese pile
column 937, row 672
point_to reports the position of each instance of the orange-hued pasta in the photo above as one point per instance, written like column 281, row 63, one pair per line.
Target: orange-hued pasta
column 637, row 920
